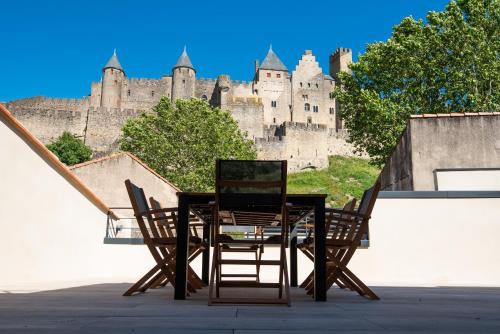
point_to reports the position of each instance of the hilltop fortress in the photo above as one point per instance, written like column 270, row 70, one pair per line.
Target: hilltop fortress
column 289, row 115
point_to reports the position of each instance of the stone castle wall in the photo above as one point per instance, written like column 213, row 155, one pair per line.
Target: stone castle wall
column 271, row 109
column 48, row 118
column 303, row 145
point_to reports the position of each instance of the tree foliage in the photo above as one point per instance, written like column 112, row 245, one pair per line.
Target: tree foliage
column 451, row 63
column 181, row 141
column 70, row 149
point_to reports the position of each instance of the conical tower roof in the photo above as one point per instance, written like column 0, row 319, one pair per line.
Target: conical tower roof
column 113, row 62
column 272, row 62
column 184, row 60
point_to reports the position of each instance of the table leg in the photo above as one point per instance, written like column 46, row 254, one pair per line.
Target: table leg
column 293, row 259
column 319, row 250
column 182, row 248
column 205, row 264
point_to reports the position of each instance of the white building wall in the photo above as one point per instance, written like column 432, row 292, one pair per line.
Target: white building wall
column 52, row 235
column 432, row 242
column 479, row 179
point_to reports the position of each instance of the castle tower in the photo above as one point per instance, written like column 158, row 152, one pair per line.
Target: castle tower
column 272, row 84
column 339, row 61
column 112, row 79
column 223, row 85
column 183, row 78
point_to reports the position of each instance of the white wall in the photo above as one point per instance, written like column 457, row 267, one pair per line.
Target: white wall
column 51, row 235
column 432, row 242
column 481, row 179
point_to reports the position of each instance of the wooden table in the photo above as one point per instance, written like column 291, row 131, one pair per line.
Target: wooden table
column 315, row 201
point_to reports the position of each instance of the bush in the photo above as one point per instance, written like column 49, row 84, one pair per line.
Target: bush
column 70, row 150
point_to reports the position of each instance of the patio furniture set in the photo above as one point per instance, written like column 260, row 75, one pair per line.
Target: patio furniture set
column 250, row 211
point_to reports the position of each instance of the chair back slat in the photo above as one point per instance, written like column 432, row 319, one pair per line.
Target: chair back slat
column 141, row 210
column 246, row 186
column 164, row 222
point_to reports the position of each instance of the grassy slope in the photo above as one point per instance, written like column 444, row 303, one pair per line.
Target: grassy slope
column 343, row 179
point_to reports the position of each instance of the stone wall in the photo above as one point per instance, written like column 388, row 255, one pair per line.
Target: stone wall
column 143, row 94
column 205, row 90
column 443, row 141
column 47, row 118
column 249, row 113
column 303, row 145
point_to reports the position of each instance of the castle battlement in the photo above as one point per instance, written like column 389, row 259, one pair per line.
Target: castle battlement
column 207, row 80
column 304, row 126
column 145, row 81
column 341, row 51
column 245, row 100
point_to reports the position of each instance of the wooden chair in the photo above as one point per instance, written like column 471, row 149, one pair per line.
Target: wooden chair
column 161, row 247
column 249, row 193
column 307, row 245
column 167, row 223
column 347, row 229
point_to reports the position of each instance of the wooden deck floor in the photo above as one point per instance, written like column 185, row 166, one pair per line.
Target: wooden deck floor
column 102, row 309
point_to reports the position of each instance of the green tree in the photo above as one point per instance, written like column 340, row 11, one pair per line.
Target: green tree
column 449, row 64
column 70, row 150
column 181, row 141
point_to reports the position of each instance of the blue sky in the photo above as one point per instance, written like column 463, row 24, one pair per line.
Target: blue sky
column 57, row 48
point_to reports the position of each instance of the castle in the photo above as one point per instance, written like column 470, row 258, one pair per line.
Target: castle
column 289, row 115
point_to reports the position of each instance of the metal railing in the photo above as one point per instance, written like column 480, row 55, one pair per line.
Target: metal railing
column 125, row 230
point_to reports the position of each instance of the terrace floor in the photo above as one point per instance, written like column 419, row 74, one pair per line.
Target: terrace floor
column 102, row 309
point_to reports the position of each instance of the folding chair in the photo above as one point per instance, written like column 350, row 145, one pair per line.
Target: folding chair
column 249, row 193
column 307, row 245
column 167, row 223
column 162, row 248
column 347, row 228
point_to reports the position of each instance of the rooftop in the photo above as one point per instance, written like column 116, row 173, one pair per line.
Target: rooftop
column 272, row 62
column 113, row 62
column 101, row 308
column 184, row 60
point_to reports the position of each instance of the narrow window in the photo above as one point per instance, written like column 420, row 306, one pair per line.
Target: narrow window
column 128, row 92
column 309, row 120
column 317, row 86
column 152, row 93
column 273, row 104
column 268, row 74
column 274, row 120
column 308, row 84
column 315, row 108
column 278, row 75
column 183, row 81
column 332, row 111
column 301, row 84
column 307, row 107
